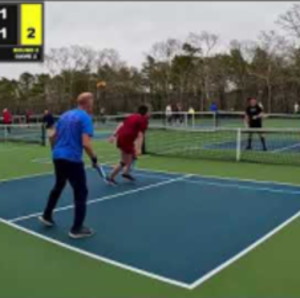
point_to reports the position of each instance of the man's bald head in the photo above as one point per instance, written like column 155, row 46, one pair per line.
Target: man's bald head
column 85, row 101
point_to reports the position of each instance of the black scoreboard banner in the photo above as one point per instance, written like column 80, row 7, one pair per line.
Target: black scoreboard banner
column 21, row 32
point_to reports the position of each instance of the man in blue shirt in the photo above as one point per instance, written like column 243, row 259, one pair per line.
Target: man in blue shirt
column 214, row 107
column 72, row 135
column 48, row 119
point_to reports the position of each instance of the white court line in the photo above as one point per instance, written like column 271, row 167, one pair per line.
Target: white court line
column 48, row 173
column 206, row 276
column 48, row 160
column 286, row 148
column 181, row 178
column 221, row 177
column 97, row 257
column 244, row 252
column 42, row 160
column 167, row 172
column 238, row 186
column 105, row 198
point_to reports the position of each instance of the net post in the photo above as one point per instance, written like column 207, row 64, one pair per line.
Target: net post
column 215, row 120
column 193, row 120
column 6, row 132
column 144, row 150
column 238, row 144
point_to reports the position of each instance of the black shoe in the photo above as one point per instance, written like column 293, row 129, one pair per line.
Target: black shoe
column 48, row 222
column 84, row 232
column 111, row 181
column 248, row 148
column 265, row 149
column 128, row 177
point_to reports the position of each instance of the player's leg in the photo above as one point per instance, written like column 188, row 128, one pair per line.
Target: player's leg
column 263, row 141
column 77, row 178
column 128, row 160
column 126, row 151
column 116, row 170
column 125, row 164
column 249, row 144
column 133, row 163
column 9, row 128
column 60, row 167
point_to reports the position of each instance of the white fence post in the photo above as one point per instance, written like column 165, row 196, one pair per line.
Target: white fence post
column 238, row 144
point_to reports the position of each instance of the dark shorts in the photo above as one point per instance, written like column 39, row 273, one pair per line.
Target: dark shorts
column 255, row 125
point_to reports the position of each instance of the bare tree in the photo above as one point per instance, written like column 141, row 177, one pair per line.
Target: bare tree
column 290, row 21
column 269, row 51
column 205, row 43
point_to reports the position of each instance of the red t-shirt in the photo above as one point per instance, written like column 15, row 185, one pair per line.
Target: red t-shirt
column 132, row 125
column 7, row 118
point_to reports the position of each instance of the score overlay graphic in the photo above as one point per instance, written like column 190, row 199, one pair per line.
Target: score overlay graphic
column 21, row 32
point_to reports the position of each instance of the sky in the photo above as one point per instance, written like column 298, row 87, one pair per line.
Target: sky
column 133, row 27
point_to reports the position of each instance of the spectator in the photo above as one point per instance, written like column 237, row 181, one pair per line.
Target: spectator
column 7, row 119
column 180, row 113
column 168, row 114
column 28, row 116
column 191, row 113
column 296, row 108
column 214, row 107
column 48, row 121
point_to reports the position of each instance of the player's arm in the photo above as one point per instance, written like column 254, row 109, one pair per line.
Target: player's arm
column 116, row 132
column 52, row 138
column 87, row 134
column 139, row 143
column 260, row 114
column 246, row 120
column 140, row 138
column 88, row 148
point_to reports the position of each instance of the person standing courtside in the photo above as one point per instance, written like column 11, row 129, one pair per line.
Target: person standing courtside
column 72, row 134
column 48, row 121
column 7, row 119
column 253, row 120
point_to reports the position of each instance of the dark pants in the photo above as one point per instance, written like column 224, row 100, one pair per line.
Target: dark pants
column 75, row 174
column 8, row 126
column 261, row 136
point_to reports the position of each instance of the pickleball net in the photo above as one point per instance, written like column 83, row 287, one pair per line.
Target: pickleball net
column 273, row 120
column 283, row 145
column 23, row 133
column 203, row 120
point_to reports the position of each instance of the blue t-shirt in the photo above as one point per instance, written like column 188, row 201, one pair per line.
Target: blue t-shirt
column 214, row 107
column 69, row 130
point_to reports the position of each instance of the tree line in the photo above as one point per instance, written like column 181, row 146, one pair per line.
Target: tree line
column 193, row 71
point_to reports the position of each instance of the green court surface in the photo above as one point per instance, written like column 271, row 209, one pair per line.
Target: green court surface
column 31, row 267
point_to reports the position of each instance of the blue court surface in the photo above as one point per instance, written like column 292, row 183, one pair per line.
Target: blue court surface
column 176, row 228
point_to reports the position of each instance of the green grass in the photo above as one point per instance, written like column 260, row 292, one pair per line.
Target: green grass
column 31, row 267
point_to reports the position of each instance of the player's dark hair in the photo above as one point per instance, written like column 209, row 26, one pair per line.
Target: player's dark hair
column 143, row 110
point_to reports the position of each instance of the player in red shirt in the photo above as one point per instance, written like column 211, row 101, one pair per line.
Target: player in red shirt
column 129, row 136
